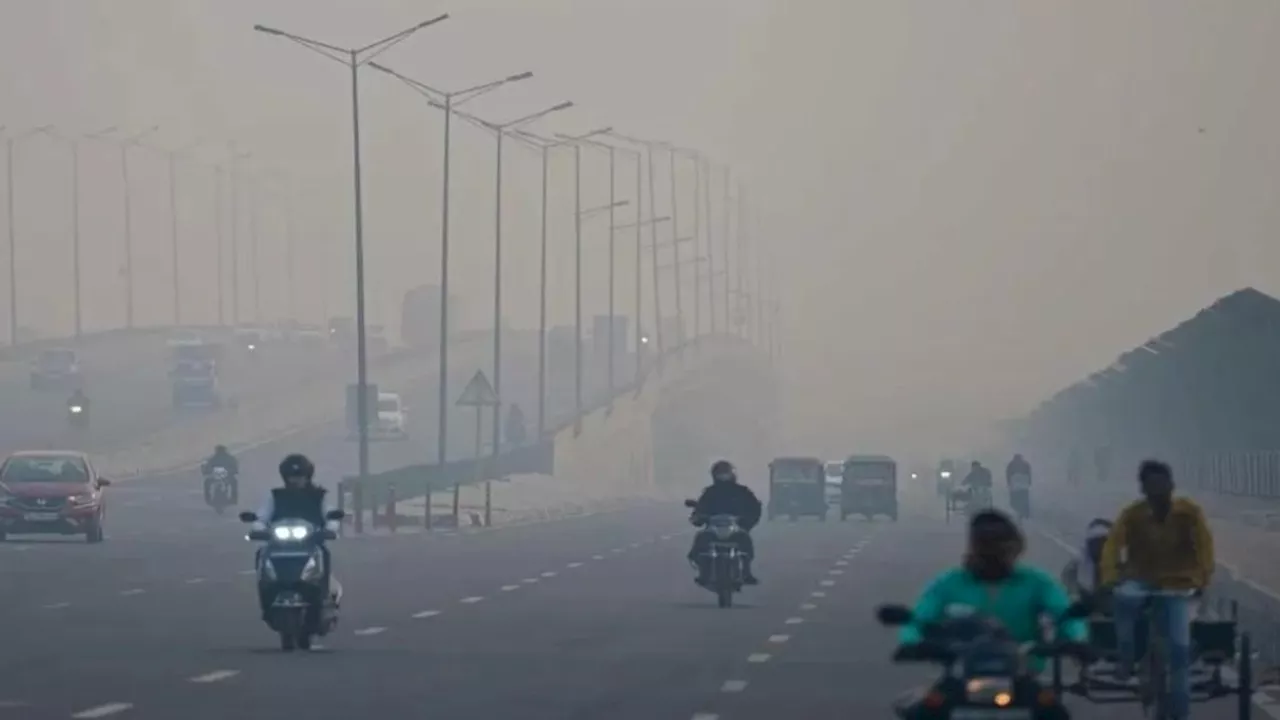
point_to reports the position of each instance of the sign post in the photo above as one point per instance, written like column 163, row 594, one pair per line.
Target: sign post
column 478, row 394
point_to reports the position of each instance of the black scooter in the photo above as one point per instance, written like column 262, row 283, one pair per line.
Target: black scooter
column 77, row 415
column 292, row 572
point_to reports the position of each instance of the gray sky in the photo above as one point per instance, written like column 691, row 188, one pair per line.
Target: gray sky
column 970, row 203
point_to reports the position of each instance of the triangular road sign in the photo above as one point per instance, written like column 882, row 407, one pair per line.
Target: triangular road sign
column 478, row 392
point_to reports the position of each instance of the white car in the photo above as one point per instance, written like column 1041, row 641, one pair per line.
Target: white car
column 393, row 419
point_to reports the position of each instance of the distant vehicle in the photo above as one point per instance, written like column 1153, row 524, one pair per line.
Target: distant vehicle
column 55, row 368
column 181, row 338
column 834, row 471
column 51, row 493
column 195, row 384
column 393, row 420
column 310, row 335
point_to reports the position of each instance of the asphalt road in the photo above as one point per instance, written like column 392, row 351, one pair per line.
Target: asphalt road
column 584, row 618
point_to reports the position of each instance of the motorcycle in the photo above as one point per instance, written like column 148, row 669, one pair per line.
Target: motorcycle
column 77, row 415
column 291, row 571
column 985, row 673
column 218, row 491
column 723, row 557
column 1020, row 495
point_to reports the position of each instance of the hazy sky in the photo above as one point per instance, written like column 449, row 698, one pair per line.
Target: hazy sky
column 970, row 204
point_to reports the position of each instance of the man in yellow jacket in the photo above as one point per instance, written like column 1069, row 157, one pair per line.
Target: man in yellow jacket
column 1168, row 559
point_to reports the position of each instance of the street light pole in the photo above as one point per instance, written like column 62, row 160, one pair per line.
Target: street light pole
column 675, row 234
column 13, row 254
column 354, row 58
column 218, row 234
column 725, row 233
column 75, row 234
column 612, row 214
column 577, row 289
column 711, row 254
column 542, row 301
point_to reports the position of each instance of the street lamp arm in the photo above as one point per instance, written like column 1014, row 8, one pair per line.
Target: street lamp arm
column 417, row 85
column 377, row 48
column 471, row 93
column 306, row 42
column 534, row 116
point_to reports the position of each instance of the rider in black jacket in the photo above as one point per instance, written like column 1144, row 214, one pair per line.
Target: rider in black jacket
column 724, row 496
column 222, row 458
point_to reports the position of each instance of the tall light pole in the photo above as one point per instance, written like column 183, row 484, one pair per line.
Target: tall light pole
column 639, row 263
column 653, row 242
column 725, row 234
column 220, row 238
column 446, row 101
column 353, row 58
column 10, row 143
column 546, row 145
column 234, row 173
column 125, row 145
column 500, row 131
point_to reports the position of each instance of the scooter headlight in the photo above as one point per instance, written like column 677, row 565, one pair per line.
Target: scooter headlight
column 76, row 409
column 946, row 474
column 290, row 532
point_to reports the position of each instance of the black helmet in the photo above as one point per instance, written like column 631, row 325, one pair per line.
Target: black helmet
column 723, row 470
column 219, row 449
column 297, row 465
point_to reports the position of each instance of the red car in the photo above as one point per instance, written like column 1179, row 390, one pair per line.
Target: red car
column 53, row 492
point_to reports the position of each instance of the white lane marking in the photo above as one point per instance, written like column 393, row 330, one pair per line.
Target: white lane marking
column 529, row 581
column 733, row 686
column 835, row 572
column 11, row 704
column 779, row 638
column 574, row 565
column 104, row 710
column 57, row 605
column 509, row 588
column 758, row 657
column 425, row 614
column 666, row 537
column 817, row 593
column 248, row 572
column 597, row 557
column 808, row 606
column 549, row 573
column 215, row 676
column 617, row 550
column 793, row 621
column 195, row 581
column 827, row 583
column 841, row 563
column 134, row 591
column 472, row 600
column 371, row 631
column 635, row 545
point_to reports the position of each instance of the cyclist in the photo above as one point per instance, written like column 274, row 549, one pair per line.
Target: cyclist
column 1080, row 575
column 1169, row 548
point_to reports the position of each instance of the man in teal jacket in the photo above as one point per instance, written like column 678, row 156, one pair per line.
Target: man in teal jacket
column 992, row 583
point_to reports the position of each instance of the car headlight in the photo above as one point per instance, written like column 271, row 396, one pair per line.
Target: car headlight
column 75, row 409
column 80, row 499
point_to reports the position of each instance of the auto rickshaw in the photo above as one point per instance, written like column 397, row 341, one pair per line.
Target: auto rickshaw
column 797, row 486
column 870, row 487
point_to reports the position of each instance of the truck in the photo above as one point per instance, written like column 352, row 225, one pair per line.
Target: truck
column 420, row 316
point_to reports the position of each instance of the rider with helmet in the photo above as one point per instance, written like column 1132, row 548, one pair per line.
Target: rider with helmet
column 222, row 458
column 724, row 496
column 1017, row 478
column 299, row 499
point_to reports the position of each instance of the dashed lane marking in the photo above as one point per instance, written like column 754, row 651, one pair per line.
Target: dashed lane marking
column 705, row 716
column 793, row 621
column 529, row 581
column 758, row 657
column 215, row 676
column 105, row 710
column 574, row 565
column 509, row 588
column 248, row 572
column 425, row 614
column 472, row 600
column 733, row 686
column 597, row 557
column 835, row 572
column 808, row 606
column 13, row 704
column 57, row 605
column 195, row 581
column 134, row 591
column 549, row 573
column 841, row 563
column 371, row 631
column 817, row 593
column 827, row 583
column 779, row 638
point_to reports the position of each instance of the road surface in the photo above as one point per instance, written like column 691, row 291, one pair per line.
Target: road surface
column 586, row 618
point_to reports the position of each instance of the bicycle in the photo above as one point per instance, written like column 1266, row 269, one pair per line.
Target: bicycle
column 1153, row 673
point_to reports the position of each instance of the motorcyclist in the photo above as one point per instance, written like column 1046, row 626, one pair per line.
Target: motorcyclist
column 724, row 496
column 991, row 581
column 222, row 458
column 80, row 400
column 1018, row 472
column 299, row 499
column 979, row 478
